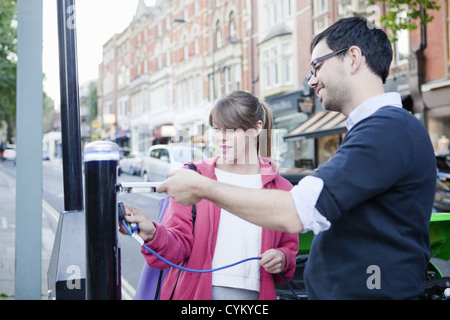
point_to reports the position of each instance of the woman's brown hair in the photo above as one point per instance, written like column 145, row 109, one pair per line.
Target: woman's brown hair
column 242, row 110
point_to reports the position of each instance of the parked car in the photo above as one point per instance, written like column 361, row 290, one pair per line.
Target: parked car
column 132, row 164
column 45, row 155
column 10, row 152
column 159, row 160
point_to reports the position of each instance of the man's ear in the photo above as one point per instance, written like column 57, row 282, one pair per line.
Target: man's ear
column 356, row 58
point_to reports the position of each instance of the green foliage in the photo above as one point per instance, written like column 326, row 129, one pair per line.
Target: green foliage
column 417, row 12
column 8, row 61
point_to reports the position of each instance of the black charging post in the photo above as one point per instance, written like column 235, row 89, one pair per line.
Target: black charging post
column 103, row 275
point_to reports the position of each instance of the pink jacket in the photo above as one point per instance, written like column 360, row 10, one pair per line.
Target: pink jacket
column 175, row 241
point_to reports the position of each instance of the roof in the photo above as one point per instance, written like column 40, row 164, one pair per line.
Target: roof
column 321, row 124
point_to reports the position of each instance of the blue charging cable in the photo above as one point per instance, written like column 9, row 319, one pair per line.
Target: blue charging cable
column 132, row 232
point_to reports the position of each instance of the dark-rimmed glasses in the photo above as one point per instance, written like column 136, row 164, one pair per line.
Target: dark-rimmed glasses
column 314, row 63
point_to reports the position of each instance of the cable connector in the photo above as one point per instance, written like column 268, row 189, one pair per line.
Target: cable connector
column 137, row 238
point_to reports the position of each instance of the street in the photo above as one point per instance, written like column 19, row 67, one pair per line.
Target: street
column 53, row 204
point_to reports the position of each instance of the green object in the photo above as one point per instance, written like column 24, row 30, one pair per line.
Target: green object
column 305, row 240
column 439, row 237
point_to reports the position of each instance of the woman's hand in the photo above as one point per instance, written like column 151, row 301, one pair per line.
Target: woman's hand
column 273, row 260
column 147, row 229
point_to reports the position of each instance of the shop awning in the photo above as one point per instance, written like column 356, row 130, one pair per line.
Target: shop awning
column 321, row 124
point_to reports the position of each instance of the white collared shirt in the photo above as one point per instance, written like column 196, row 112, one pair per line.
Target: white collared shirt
column 307, row 191
column 370, row 106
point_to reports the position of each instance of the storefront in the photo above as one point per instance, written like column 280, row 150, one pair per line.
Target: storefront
column 289, row 111
column 317, row 139
column 436, row 96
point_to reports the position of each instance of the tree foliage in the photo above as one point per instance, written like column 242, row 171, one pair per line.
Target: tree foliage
column 417, row 14
column 8, row 62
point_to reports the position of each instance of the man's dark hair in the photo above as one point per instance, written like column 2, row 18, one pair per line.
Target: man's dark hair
column 358, row 31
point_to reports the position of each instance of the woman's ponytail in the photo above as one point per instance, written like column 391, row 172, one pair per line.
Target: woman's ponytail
column 265, row 137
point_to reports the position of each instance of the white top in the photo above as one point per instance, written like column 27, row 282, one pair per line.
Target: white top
column 307, row 191
column 237, row 239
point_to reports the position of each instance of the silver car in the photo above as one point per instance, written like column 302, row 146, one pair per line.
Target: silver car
column 132, row 164
column 159, row 160
column 10, row 152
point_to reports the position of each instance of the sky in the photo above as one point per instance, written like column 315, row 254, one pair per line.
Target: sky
column 96, row 22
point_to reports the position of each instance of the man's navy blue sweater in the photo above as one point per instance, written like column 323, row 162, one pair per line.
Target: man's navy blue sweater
column 378, row 195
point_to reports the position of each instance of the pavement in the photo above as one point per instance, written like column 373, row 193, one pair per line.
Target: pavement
column 7, row 240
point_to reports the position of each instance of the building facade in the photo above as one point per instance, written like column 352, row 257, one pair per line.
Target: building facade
column 433, row 47
column 161, row 75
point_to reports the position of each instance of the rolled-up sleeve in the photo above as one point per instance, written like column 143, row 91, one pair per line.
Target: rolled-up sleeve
column 305, row 195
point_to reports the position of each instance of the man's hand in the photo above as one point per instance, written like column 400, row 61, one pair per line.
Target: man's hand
column 187, row 187
column 184, row 186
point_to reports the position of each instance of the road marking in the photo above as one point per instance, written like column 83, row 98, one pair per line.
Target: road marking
column 50, row 210
column 3, row 223
column 128, row 291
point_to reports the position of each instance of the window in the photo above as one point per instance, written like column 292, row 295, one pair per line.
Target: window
column 218, row 36
column 179, row 96
column 195, row 7
column 166, row 49
column 155, row 153
column 185, row 49
column 287, row 70
column 123, row 107
column 211, row 87
column 277, row 66
column 322, row 6
column 196, row 46
column 232, row 27
column 191, row 91
column 276, row 11
column 227, row 80
column 287, row 63
column 199, row 88
column 237, row 77
column 270, row 67
column 401, row 46
column 219, row 84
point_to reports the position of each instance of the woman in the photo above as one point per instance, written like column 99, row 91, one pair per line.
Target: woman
column 242, row 126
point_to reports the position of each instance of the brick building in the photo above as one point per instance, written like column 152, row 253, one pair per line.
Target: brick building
column 161, row 75
column 434, row 46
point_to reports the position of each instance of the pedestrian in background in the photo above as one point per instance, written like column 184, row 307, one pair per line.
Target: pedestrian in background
column 219, row 238
column 369, row 205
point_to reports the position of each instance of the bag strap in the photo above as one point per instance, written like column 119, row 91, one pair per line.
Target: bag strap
column 194, row 216
column 158, row 285
column 194, row 209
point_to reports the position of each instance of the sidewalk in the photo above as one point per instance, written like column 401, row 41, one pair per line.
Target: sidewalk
column 7, row 240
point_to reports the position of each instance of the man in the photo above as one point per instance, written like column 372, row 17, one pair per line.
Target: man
column 369, row 205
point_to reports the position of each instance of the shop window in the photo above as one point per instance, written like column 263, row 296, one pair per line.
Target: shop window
column 447, row 42
column 327, row 147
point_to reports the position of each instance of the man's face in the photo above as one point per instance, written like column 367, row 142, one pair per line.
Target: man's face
column 328, row 78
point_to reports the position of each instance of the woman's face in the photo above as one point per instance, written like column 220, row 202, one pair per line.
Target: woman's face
column 235, row 145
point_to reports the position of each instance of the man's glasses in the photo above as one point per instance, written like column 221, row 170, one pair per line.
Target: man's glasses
column 314, row 63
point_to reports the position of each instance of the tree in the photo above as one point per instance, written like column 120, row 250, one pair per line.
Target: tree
column 8, row 63
column 416, row 11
